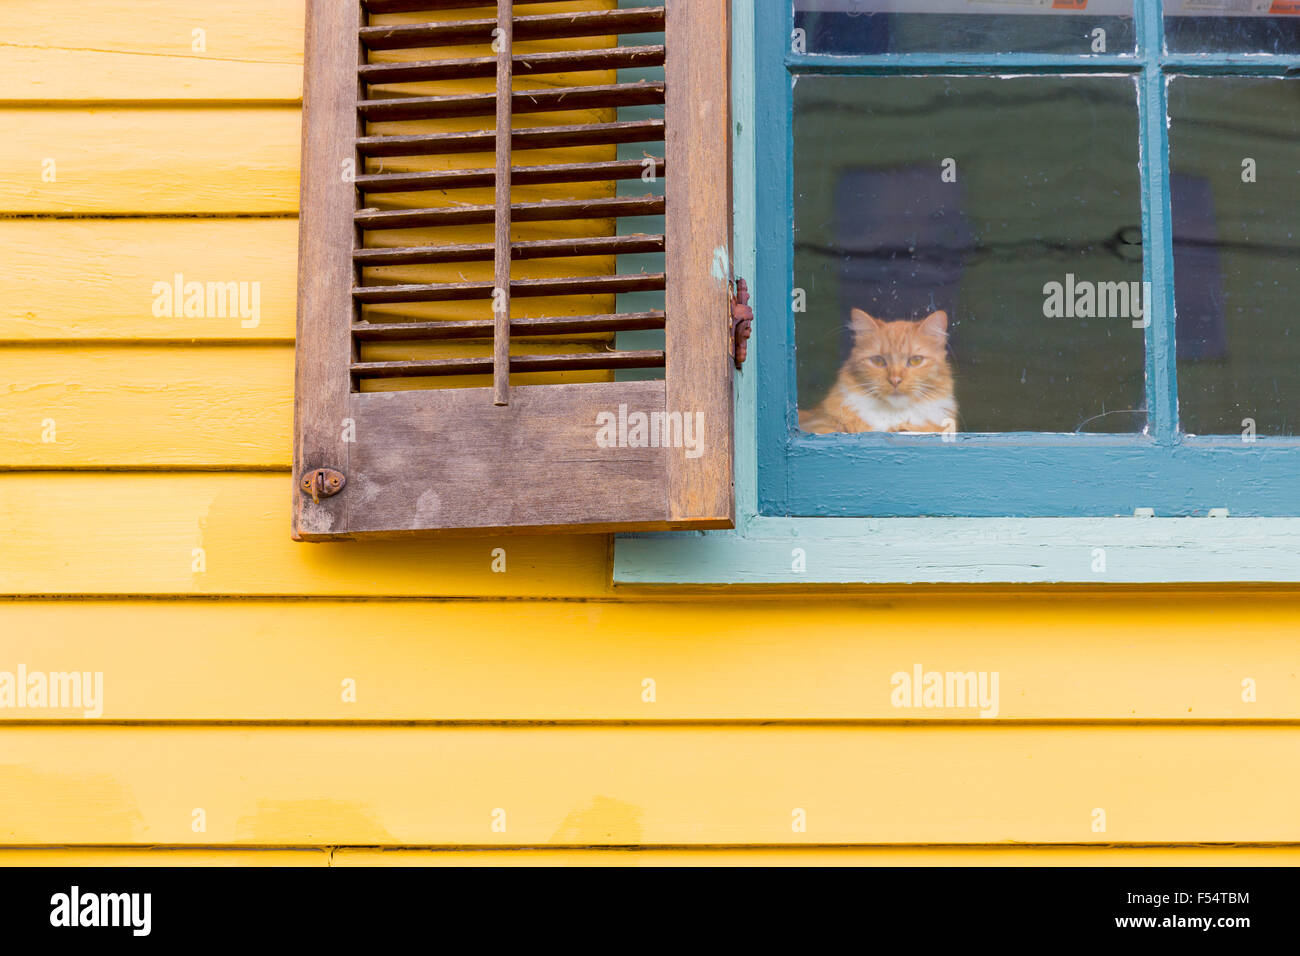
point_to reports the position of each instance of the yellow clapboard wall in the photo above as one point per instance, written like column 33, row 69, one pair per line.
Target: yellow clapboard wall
column 486, row 701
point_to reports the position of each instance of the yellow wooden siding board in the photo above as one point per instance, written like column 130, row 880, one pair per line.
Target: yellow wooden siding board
column 1148, row 656
column 676, row 856
column 248, row 50
column 161, row 856
column 43, row 75
column 818, row 856
column 103, row 533
column 127, row 160
column 224, row 406
column 633, row 785
column 95, row 278
column 785, row 659
column 158, row 406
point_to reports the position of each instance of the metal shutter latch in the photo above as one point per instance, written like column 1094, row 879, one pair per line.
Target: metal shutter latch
column 322, row 483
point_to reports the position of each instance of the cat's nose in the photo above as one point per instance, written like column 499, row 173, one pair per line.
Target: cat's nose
column 895, row 380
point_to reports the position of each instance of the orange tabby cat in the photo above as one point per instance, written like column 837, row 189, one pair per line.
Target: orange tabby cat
column 896, row 379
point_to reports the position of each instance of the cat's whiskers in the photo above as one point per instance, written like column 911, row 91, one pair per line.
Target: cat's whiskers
column 866, row 388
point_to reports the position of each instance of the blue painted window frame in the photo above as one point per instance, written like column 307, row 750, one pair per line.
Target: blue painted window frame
column 1009, row 474
column 766, row 550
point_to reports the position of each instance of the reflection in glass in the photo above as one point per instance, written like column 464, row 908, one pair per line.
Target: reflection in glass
column 1011, row 207
column 965, row 26
column 1235, row 183
column 1232, row 26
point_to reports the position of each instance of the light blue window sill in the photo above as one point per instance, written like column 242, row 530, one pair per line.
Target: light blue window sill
column 923, row 550
column 968, row 551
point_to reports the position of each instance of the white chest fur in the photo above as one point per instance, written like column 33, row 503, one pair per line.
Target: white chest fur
column 885, row 415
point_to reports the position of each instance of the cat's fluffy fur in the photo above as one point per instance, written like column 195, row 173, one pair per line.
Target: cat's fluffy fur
column 896, row 379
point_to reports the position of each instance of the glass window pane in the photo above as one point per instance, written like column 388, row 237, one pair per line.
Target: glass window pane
column 1011, row 205
column 1235, row 184
column 1232, row 26
column 965, row 26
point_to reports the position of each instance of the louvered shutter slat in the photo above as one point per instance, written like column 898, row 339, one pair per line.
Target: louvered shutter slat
column 545, row 137
column 408, row 6
column 545, row 211
column 463, row 291
column 578, row 361
column 553, row 174
column 531, row 101
column 573, row 324
column 549, row 26
column 525, row 64
column 533, row 249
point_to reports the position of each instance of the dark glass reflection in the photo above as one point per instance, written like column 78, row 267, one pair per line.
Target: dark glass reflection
column 966, row 26
column 1235, row 163
column 1232, row 26
column 972, row 196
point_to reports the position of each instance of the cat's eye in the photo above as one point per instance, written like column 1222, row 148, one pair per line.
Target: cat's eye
column 878, row 360
column 915, row 360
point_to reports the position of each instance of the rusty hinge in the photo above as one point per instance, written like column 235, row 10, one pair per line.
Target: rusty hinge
column 322, row 483
column 742, row 316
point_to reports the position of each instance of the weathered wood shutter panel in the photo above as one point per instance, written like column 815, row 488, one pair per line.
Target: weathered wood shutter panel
column 493, row 433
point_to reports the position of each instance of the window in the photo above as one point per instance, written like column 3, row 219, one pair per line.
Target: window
column 1039, row 258
column 464, row 211
column 1153, row 437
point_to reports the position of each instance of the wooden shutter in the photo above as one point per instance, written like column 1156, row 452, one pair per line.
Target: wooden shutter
column 503, row 430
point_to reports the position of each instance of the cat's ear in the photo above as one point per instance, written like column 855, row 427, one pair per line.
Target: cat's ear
column 936, row 323
column 862, row 323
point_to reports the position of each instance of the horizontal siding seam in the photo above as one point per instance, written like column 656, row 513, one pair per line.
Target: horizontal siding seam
column 685, row 723
column 163, row 104
column 65, row 216
column 634, row 847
